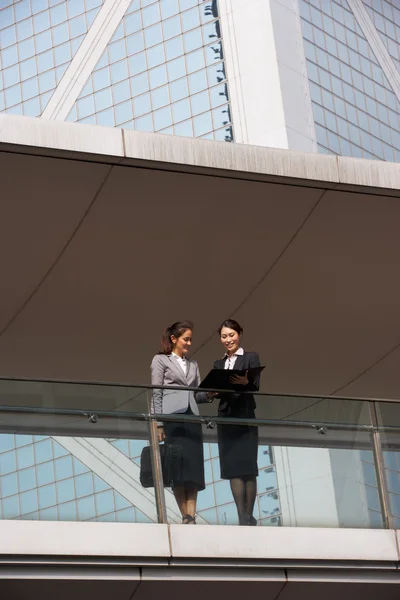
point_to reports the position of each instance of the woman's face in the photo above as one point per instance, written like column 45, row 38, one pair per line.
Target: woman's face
column 230, row 340
column 181, row 345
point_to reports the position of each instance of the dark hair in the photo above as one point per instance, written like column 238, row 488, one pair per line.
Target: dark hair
column 231, row 324
column 176, row 329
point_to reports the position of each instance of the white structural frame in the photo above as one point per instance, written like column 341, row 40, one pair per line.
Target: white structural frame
column 377, row 45
column 85, row 60
column 267, row 74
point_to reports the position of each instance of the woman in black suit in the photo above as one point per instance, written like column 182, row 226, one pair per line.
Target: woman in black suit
column 238, row 444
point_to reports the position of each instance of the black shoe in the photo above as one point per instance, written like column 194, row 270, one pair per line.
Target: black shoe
column 244, row 520
column 252, row 521
column 188, row 520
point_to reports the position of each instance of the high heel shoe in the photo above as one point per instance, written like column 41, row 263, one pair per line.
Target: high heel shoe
column 253, row 521
column 188, row 520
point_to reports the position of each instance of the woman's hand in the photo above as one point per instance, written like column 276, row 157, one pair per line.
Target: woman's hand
column 239, row 379
column 161, row 434
column 211, row 395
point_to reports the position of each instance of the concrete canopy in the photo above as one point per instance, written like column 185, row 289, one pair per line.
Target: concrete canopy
column 107, row 236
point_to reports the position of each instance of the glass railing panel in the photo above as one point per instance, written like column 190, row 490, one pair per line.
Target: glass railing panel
column 63, row 464
column 316, row 471
column 388, row 421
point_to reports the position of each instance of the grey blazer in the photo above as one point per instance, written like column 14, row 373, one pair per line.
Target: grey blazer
column 165, row 370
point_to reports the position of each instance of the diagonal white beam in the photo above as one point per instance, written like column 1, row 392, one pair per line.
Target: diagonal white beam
column 119, row 472
column 377, row 45
column 85, row 59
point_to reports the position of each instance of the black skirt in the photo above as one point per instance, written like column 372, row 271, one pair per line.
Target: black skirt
column 238, row 449
column 189, row 437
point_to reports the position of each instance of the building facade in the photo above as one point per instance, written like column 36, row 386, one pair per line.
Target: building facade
column 309, row 75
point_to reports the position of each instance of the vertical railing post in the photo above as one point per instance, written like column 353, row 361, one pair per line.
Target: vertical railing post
column 380, row 467
column 156, row 464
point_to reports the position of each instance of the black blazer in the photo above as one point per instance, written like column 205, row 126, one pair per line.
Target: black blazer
column 237, row 404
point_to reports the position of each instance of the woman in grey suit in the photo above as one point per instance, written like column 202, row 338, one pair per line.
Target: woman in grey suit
column 171, row 368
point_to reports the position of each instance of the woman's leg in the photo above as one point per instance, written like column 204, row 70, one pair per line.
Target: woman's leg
column 250, row 494
column 191, row 500
column 180, row 497
column 239, row 495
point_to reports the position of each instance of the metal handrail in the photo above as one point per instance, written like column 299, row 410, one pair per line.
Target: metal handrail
column 145, row 387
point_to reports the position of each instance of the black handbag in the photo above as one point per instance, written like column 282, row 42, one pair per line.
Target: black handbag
column 171, row 465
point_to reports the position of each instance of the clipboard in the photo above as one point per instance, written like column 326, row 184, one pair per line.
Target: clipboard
column 218, row 379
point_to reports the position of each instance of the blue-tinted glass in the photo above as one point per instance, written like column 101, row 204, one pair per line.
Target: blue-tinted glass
column 105, row 502
column 47, row 81
column 139, row 84
column 10, row 507
column 120, row 501
column 84, row 485
column 206, row 499
column 153, row 35
column 123, row 112
column 13, row 96
column 195, row 61
column 184, row 129
column 67, row 512
column 43, row 41
column 59, row 450
column 44, row 99
column 28, row 69
column 30, row 89
column 41, row 22
column 176, row 69
column 45, row 473
column 90, row 17
column 155, row 56
column 200, row 103
column 137, row 63
column 126, row 516
column 141, row 518
column 25, row 457
column 47, row 496
column 142, row 105
column 9, row 485
column 8, row 37
column 121, row 91
column 144, row 124
column 75, row 7
column 135, row 43
column 61, row 33
column 210, row 516
column 151, row 15
column 43, row 451
column 65, row 490
column 178, row 89
column 7, row 442
column 227, row 514
column 193, row 40
column 116, row 51
column 162, row 118
column 77, row 26
column 11, row 76
column 197, row 81
column 28, row 502
column 171, row 27
column 63, row 467
column 159, row 97
column 101, row 79
column 9, row 56
column 79, row 467
column 190, row 19
column 22, row 10
column 169, row 8
column 62, row 54
column 133, row 23
column 58, row 13
column 45, row 61
column 49, row 514
column 269, row 504
column 158, row 76
column 26, row 479
column 99, row 484
column 174, row 48
column 106, row 118
column 24, row 29
column 119, row 71
column 86, row 508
